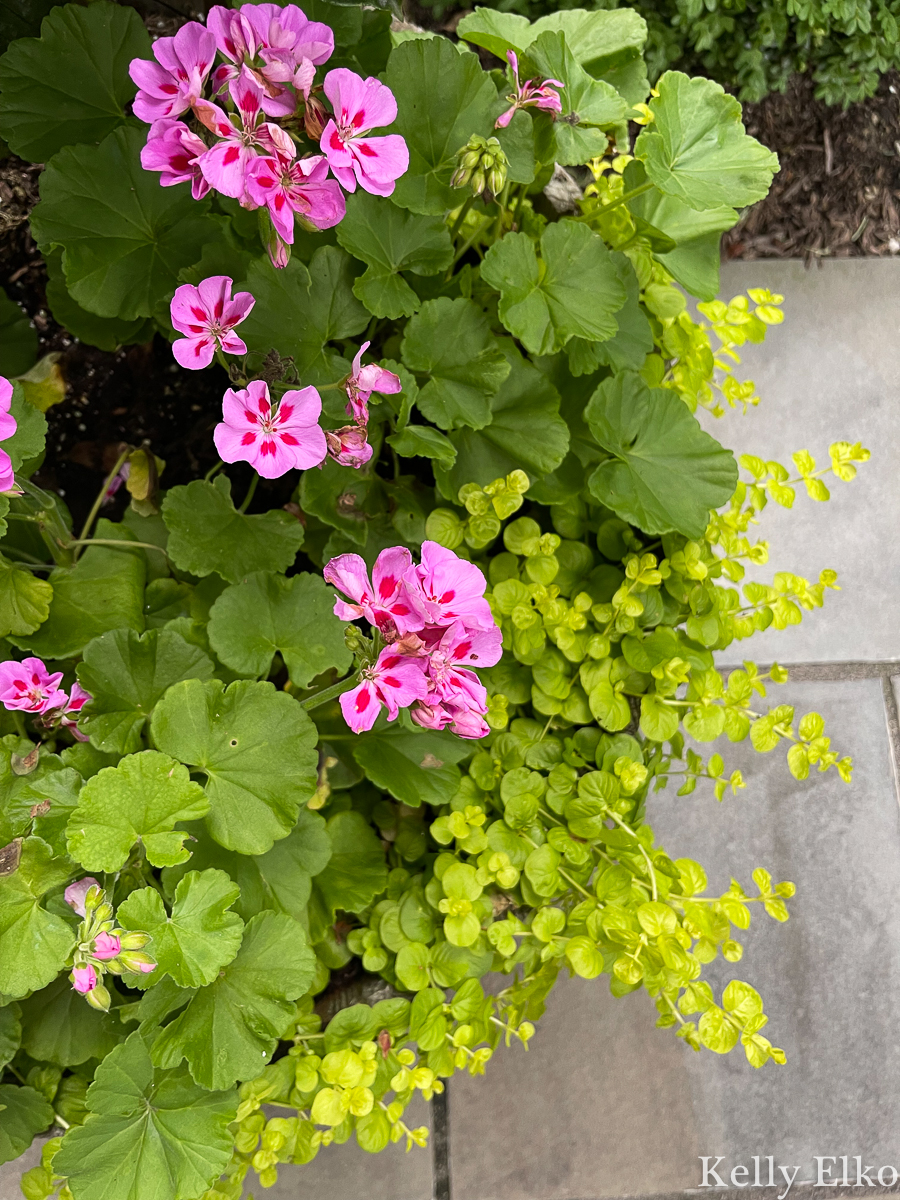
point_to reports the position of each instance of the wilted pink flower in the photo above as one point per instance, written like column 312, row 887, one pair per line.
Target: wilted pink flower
column 76, row 892
column 175, row 151
column 529, row 94
column 272, row 442
column 84, row 979
column 348, row 445
column 394, row 681
column 300, row 187
column 359, row 106
column 363, row 381
column 207, row 315
column 451, row 589
column 464, row 721
column 175, row 81
column 225, row 164
column 8, row 427
column 77, row 700
column 29, row 687
column 391, row 604
column 106, row 946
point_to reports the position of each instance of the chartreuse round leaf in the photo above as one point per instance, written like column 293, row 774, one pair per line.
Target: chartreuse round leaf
column 26, row 1113
column 18, row 337
column 666, row 473
column 230, row 1028
column 443, row 97
column 414, row 766
column 207, row 534
column 256, row 746
column 124, row 238
column 267, row 613
column 199, row 937
column 140, row 800
column 71, row 84
column 355, row 874
column 153, row 1133
column 389, row 240
column 696, row 148
column 450, row 342
column 24, row 600
column 573, row 290
column 34, row 943
column 58, row 1027
column 103, row 591
column 126, row 675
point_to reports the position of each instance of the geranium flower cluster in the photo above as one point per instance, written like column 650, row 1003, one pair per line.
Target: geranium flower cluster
column 249, row 114
column 100, row 946
column 8, row 427
column 28, row 686
column 436, row 624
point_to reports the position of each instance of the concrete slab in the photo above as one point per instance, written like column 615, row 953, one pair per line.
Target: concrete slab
column 830, row 373
column 605, row 1105
column 12, row 1172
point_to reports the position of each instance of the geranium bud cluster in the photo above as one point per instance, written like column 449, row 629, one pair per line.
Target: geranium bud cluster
column 434, row 625
column 257, row 118
column 100, row 945
column 28, row 686
column 482, row 165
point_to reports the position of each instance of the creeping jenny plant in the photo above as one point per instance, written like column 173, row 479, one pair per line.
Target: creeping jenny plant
column 409, row 723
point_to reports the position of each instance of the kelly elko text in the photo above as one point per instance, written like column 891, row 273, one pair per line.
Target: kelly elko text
column 831, row 1171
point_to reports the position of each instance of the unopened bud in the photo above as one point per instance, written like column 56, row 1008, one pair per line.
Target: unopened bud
column 134, row 940
column 99, row 998
column 315, row 117
column 135, row 960
column 478, row 181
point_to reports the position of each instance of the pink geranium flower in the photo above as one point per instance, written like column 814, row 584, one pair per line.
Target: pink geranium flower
column 77, row 700
column 225, row 164
column 465, row 722
column 529, row 94
column 451, row 589
column 8, row 427
column 106, row 946
column 392, row 604
column 207, row 315
column 361, row 105
column 363, row 381
column 348, row 446
column 456, row 650
column 394, row 681
column 84, row 979
column 272, row 441
column 76, row 892
column 29, row 687
column 175, row 81
column 300, row 187
column 175, row 151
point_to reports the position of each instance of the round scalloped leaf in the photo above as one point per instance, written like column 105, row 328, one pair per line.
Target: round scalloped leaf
column 18, row 339
column 34, row 943
column 354, row 876
column 26, row 1113
column 24, row 600
column 59, row 1027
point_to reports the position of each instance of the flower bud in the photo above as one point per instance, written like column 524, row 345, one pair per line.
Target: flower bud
column 478, row 181
column 84, row 979
column 99, row 998
column 134, row 940
column 315, row 117
column 105, row 946
column 76, row 893
column 135, row 960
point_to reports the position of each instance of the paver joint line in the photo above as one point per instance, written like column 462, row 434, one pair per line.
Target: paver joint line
column 440, row 1145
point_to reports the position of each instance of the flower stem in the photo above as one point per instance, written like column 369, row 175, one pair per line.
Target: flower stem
column 250, row 493
column 461, row 216
column 329, row 693
column 101, row 496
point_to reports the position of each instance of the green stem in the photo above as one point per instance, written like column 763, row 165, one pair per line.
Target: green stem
column 213, row 471
column 119, row 544
column 329, row 693
column 467, row 245
column 101, row 496
column 461, row 216
column 250, row 493
column 623, row 199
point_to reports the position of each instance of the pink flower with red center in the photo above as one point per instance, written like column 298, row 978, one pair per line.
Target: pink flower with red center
column 273, row 441
column 207, row 315
column 452, row 651
column 395, row 681
column 390, row 605
column 225, row 164
column 175, row 151
column 175, row 81
column 348, row 446
column 8, row 427
column 300, row 187
column 451, row 589
column 106, row 946
column 363, row 381
column 529, row 94
column 84, row 979
column 29, row 687
column 76, row 892
column 361, row 105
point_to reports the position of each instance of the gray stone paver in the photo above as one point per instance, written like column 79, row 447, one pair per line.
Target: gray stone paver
column 831, row 372
column 605, row 1105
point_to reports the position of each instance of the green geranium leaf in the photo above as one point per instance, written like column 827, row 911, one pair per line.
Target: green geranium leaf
column 230, row 1028
column 299, row 310
column 574, row 289
column 257, row 748
column 634, row 338
column 152, row 1134
column 71, row 84
column 696, row 149
column 450, row 342
column 31, row 430
column 142, row 799
column 34, row 943
column 415, row 767
column 337, row 495
column 18, row 337
column 389, row 240
column 19, row 793
column 24, row 600
column 267, row 613
column 126, row 674
column 200, row 937
column 666, row 472
column 526, row 431
column 58, row 1027
column 424, row 442
column 124, row 238
column 355, row 874
column 107, row 333
column 207, row 534
column 103, row 591
column 443, row 97
column 26, row 1113
column 10, row 1032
